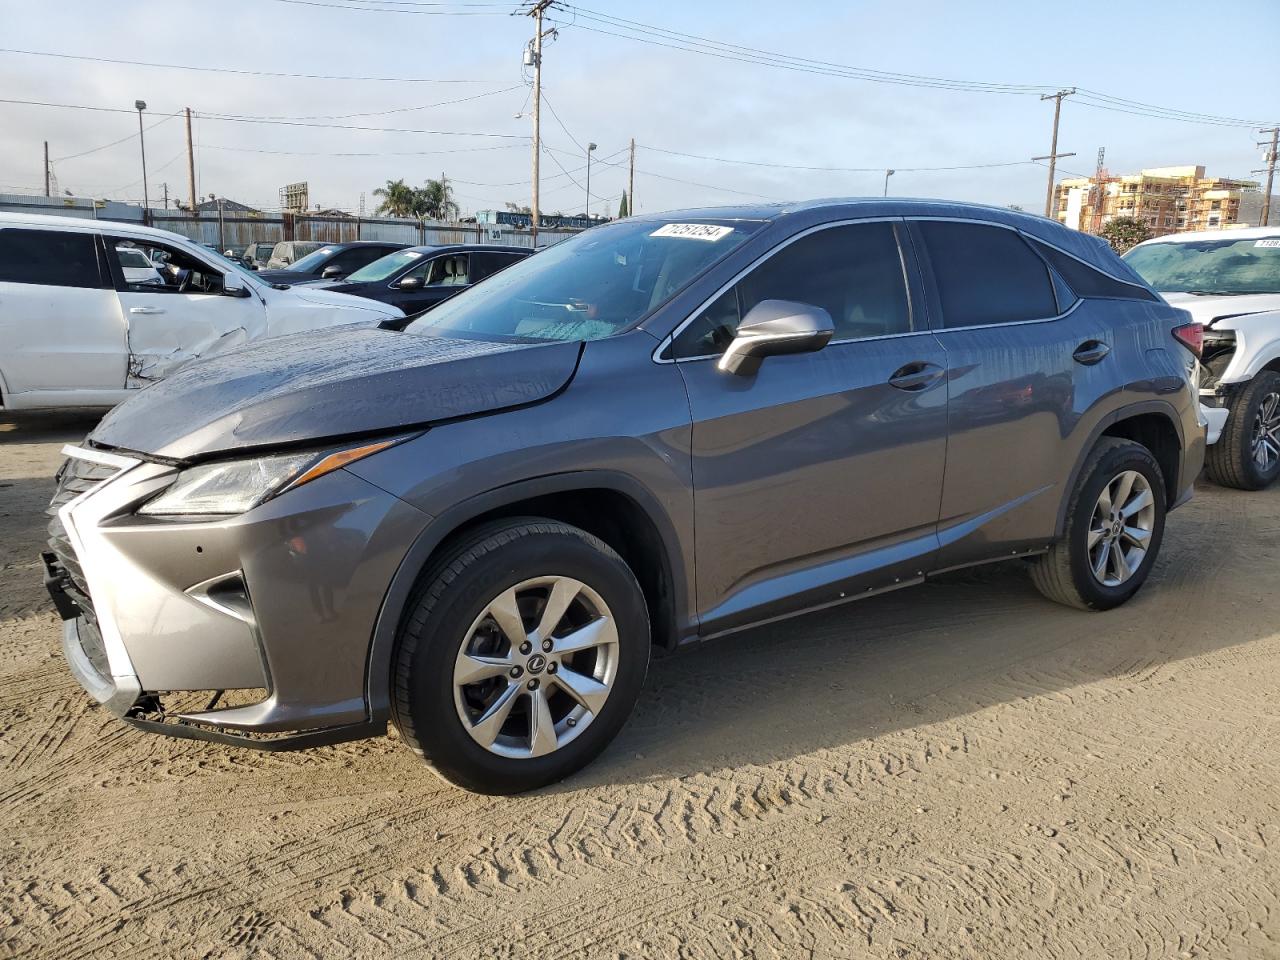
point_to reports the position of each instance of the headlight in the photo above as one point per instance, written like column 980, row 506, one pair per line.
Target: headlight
column 234, row 486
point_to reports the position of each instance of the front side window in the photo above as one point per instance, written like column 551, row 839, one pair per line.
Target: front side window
column 1225, row 267
column 54, row 258
column 986, row 275
column 386, row 267
column 177, row 270
column 854, row 272
column 597, row 284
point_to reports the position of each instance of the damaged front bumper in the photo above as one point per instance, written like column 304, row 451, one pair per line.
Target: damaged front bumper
column 273, row 608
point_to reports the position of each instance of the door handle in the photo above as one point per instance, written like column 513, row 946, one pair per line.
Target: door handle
column 1091, row 352
column 146, row 310
column 915, row 376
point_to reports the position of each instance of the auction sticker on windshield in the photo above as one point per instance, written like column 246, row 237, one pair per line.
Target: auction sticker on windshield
column 1273, row 242
column 693, row 231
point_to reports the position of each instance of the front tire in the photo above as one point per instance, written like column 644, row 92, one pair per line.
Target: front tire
column 1247, row 455
column 1115, row 522
column 522, row 655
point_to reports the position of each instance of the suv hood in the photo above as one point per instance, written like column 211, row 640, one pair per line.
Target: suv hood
column 1205, row 309
column 318, row 296
column 317, row 387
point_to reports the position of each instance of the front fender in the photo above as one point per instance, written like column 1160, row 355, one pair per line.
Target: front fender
column 1257, row 345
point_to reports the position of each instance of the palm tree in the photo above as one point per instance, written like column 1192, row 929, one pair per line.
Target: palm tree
column 397, row 199
column 435, row 200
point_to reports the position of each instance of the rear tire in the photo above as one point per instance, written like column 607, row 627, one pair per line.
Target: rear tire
column 1080, row 570
column 494, row 699
column 1236, row 460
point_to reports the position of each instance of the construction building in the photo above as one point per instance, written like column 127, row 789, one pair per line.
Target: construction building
column 1166, row 199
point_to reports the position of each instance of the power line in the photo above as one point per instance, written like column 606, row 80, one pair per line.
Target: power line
column 692, row 43
column 227, row 118
column 798, row 166
column 368, row 113
column 234, row 70
column 375, row 153
column 395, row 7
column 113, row 143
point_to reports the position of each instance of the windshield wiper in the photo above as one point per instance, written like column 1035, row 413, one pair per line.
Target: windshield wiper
column 1217, row 293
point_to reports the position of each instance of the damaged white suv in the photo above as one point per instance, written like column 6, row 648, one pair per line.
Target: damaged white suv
column 79, row 327
column 1229, row 281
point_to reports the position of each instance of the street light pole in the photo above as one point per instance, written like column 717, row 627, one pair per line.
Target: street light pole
column 590, row 148
column 887, row 175
column 141, row 105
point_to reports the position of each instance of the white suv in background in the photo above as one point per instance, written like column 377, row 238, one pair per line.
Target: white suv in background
column 1229, row 281
column 83, row 324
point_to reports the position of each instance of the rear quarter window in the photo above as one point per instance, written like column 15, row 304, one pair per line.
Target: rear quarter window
column 986, row 275
column 1088, row 281
column 54, row 258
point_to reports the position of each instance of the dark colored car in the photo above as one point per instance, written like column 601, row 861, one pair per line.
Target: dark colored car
column 418, row 278
column 333, row 261
column 661, row 431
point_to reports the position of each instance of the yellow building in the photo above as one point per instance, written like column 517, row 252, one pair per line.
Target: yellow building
column 1166, row 199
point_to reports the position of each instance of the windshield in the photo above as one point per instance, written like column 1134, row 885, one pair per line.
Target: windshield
column 385, row 267
column 592, row 286
column 312, row 261
column 1210, row 266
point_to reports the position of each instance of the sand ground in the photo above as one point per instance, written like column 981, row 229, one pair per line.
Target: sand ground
column 958, row 770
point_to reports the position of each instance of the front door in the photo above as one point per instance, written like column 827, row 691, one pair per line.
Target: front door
column 185, row 317
column 431, row 282
column 818, row 477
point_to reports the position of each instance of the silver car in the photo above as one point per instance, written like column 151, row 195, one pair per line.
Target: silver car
column 662, row 431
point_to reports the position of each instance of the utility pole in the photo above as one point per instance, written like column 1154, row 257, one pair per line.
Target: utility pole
column 191, row 165
column 166, row 194
column 536, row 11
column 141, row 105
column 631, row 182
column 46, row 168
column 1053, row 145
column 1265, row 219
column 590, row 147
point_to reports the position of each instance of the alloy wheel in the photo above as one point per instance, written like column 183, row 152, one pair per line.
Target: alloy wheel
column 1120, row 528
column 536, row 667
column 1265, row 442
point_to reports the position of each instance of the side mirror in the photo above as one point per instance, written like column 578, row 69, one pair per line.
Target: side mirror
column 774, row 327
column 410, row 283
column 232, row 287
column 331, row 273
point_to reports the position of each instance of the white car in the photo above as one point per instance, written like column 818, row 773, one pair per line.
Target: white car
column 137, row 268
column 82, row 323
column 1230, row 282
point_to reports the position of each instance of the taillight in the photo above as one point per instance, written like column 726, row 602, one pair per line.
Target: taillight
column 1191, row 336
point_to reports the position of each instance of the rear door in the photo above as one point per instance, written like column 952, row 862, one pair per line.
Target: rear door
column 1011, row 334
column 61, row 329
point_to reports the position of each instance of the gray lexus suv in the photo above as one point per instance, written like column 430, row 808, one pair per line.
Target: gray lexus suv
column 663, row 430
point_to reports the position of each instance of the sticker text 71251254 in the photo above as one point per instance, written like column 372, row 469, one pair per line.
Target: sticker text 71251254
column 693, row 231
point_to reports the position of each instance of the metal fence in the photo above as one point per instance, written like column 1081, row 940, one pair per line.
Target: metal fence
column 235, row 230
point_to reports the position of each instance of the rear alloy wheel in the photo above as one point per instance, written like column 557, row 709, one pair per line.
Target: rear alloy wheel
column 1120, row 529
column 1114, row 524
column 521, row 656
column 1247, row 455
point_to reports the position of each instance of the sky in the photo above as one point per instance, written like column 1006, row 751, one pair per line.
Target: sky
column 606, row 88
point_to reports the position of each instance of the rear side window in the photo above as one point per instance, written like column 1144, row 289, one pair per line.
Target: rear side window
column 1087, row 281
column 54, row 258
column 986, row 275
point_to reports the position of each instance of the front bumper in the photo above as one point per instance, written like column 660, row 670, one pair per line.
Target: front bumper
column 277, row 604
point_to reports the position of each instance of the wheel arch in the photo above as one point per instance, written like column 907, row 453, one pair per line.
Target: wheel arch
column 612, row 506
column 1152, row 423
